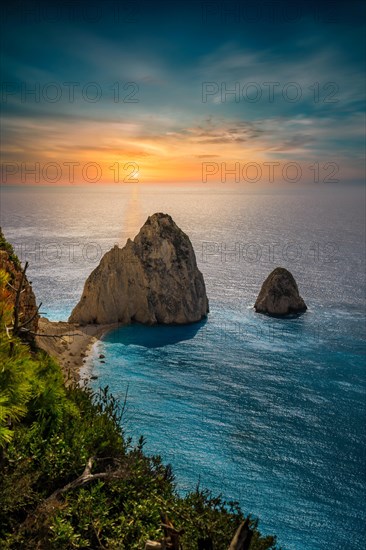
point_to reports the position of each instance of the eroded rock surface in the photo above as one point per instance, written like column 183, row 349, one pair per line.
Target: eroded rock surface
column 154, row 279
column 279, row 294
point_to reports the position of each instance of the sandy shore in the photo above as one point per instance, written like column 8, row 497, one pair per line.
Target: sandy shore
column 71, row 343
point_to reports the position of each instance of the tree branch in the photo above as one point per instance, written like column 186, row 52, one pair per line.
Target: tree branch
column 86, row 477
column 242, row 537
column 17, row 299
column 31, row 319
column 46, row 506
column 15, row 289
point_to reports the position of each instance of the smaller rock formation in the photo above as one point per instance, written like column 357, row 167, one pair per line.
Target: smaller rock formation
column 279, row 294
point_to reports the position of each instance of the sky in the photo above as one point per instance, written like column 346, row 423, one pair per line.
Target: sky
column 122, row 92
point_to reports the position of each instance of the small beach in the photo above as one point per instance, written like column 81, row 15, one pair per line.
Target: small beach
column 69, row 343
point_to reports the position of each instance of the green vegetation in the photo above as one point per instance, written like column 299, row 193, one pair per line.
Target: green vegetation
column 69, row 478
column 4, row 245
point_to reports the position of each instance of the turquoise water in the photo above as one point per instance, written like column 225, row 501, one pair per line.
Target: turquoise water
column 272, row 418
column 270, row 412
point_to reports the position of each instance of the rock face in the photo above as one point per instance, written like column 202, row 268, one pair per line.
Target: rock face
column 27, row 303
column 279, row 294
column 154, row 279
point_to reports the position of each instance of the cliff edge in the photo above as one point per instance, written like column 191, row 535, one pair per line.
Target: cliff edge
column 28, row 312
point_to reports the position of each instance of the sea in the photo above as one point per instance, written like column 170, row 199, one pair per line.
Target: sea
column 269, row 412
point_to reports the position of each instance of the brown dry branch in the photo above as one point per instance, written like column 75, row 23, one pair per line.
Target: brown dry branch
column 51, row 503
column 242, row 537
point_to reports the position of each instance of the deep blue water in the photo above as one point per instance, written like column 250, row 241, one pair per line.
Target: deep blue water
column 270, row 412
column 267, row 412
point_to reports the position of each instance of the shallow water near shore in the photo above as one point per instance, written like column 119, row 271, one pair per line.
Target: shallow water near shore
column 270, row 412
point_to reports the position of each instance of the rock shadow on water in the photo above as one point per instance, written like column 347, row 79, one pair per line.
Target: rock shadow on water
column 155, row 336
column 284, row 317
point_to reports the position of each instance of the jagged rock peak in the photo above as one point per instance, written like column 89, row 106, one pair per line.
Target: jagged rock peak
column 279, row 294
column 153, row 279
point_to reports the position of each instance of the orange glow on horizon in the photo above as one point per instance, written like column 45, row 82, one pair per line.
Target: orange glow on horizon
column 117, row 154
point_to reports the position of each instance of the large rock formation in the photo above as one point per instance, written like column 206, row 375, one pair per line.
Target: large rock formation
column 28, row 314
column 279, row 294
column 153, row 279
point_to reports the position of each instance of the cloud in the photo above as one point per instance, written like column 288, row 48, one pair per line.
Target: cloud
column 171, row 121
column 320, row 79
column 207, row 156
column 216, row 131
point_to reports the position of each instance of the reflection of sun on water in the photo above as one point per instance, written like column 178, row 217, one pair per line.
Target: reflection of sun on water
column 133, row 217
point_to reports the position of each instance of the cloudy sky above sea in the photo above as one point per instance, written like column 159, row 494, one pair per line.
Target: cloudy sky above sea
column 182, row 92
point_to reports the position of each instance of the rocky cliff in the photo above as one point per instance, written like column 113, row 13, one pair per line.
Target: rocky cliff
column 279, row 294
column 154, row 279
column 27, row 303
